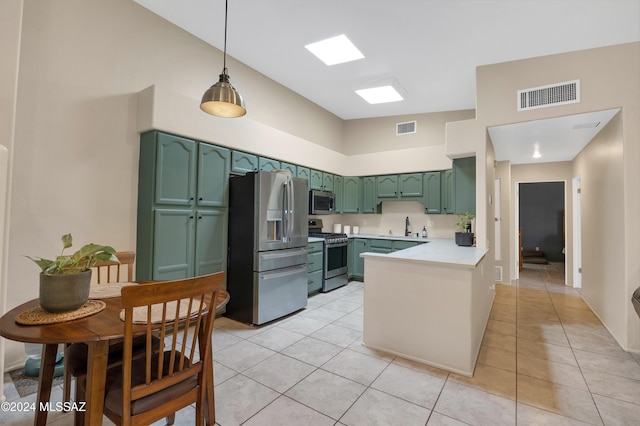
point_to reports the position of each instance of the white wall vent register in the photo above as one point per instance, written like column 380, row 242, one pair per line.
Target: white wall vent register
column 567, row 92
column 406, row 127
column 499, row 274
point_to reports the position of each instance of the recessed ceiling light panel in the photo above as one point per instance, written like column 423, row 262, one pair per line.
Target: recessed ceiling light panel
column 380, row 95
column 335, row 50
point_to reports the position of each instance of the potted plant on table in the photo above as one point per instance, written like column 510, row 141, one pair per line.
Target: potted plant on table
column 65, row 281
column 464, row 237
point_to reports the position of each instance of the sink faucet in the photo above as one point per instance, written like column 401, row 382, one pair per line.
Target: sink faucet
column 406, row 227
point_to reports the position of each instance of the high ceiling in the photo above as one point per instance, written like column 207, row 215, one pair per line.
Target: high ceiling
column 431, row 48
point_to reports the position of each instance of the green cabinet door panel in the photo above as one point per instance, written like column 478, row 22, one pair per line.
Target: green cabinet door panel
column 289, row 167
column 314, row 282
column 173, row 244
column 338, row 190
column 410, row 185
column 350, row 259
column 464, row 185
column 175, row 170
column 315, row 181
column 268, row 164
column 242, row 163
column 401, row 245
column 303, row 172
column 387, row 186
column 369, row 200
column 213, row 175
column 446, row 191
column 360, row 245
column 327, row 182
column 351, row 194
column 432, row 201
column 210, row 241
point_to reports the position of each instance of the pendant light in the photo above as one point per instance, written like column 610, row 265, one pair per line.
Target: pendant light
column 222, row 99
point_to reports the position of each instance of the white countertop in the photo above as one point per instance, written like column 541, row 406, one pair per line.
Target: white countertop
column 437, row 251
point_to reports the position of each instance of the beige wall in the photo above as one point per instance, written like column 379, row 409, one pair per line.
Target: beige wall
column 608, row 79
column 369, row 135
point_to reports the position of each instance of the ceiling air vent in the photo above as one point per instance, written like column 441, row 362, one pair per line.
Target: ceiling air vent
column 406, row 127
column 567, row 92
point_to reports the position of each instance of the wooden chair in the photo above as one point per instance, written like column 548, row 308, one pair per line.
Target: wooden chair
column 112, row 272
column 75, row 356
column 147, row 389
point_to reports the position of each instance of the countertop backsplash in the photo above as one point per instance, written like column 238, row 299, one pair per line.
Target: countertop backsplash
column 393, row 218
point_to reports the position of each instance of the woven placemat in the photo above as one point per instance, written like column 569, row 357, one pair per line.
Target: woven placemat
column 38, row 316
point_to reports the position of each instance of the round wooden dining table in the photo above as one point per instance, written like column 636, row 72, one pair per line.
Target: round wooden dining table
column 96, row 331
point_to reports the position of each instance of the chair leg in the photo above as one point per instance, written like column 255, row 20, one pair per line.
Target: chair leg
column 171, row 419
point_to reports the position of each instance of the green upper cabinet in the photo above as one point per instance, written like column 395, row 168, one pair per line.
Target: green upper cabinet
column 431, row 184
column 369, row 200
column 338, row 190
column 175, row 170
column 328, row 182
column 315, row 180
column 182, row 207
column 303, row 172
column 268, row 164
column 242, row 163
column 351, row 194
column 214, row 164
column 410, row 185
column 292, row 168
column 446, row 191
column 387, row 186
column 464, row 185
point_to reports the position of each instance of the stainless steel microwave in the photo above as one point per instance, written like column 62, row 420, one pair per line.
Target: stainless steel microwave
column 321, row 202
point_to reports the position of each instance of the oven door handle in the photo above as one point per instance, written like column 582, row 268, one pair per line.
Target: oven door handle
column 334, row 245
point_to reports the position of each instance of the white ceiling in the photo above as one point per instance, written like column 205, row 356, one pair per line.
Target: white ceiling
column 430, row 47
column 557, row 139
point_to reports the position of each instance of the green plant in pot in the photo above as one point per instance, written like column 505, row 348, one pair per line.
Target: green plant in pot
column 464, row 237
column 65, row 281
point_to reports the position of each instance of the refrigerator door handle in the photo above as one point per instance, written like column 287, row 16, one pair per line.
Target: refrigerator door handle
column 285, row 211
column 290, row 216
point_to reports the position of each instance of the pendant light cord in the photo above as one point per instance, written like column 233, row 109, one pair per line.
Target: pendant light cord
column 224, row 60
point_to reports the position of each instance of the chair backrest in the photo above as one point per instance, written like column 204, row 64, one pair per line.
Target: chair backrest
column 182, row 317
column 114, row 272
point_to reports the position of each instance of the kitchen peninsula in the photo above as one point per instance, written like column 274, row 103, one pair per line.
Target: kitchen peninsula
column 429, row 303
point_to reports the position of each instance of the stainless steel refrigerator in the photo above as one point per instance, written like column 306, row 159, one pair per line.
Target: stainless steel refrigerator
column 267, row 271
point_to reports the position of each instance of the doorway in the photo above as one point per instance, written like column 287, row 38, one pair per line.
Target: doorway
column 541, row 224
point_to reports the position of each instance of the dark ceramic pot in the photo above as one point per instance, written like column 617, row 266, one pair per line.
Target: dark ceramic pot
column 464, row 238
column 62, row 293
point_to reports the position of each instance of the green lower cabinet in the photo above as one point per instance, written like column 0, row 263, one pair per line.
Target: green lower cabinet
column 360, row 245
column 381, row 246
column 401, row 245
column 315, row 265
column 188, row 243
column 211, row 241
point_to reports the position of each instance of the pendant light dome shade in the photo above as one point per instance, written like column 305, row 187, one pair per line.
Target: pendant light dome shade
column 223, row 100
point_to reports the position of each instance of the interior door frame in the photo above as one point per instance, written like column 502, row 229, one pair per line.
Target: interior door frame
column 577, row 231
column 517, row 224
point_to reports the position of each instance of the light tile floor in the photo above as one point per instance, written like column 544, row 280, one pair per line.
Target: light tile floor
column 545, row 360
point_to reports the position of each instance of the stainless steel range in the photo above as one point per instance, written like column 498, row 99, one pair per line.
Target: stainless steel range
column 334, row 272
